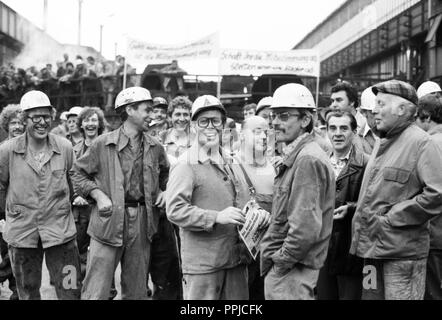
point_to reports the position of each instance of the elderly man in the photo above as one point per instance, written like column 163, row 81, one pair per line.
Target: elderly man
column 401, row 191
column 429, row 119
column 34, row 175
column 124, row 171
column 205, row 197
column 11, row 120
column 295, row 245
column 341, row 276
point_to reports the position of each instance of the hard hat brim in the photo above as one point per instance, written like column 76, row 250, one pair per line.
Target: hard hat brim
column 125, row 105
column 222, row 109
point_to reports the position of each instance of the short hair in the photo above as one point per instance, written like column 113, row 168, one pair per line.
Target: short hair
column 249, row 106
column 340, row 114
column 8, row 113
column 430, row 106
column 86, row 113
column 179, row 102
column 350, row 90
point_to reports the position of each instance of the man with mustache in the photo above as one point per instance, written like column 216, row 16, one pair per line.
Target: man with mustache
column 11, row 120
column 125, row 172
column 205, row 197
column 294, row 247
column 34, row 174
column 401, row 192
column 341, row 276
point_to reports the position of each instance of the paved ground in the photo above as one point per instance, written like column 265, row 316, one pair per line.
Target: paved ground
column 47, row 291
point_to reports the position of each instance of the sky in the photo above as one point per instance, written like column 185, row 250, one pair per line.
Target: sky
column 242, row 24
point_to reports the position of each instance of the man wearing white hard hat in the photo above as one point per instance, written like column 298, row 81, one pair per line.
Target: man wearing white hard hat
column 205, row 197
column 34, row 174
column 125, row 172
column 295, row 246
column 367, row 134
column 74, row 134
column 263, row 109
column 428, row 87
column 62, row 129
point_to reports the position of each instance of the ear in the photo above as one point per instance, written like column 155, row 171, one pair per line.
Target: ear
column 402, row 109
column 306, row 121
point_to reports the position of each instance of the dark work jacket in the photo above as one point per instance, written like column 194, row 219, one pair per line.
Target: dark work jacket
column 348, row 184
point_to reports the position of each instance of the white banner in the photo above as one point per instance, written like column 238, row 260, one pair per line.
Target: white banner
column 256, row 63
column 140, row 52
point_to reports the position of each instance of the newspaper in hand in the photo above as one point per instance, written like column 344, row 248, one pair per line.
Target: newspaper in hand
column 250, row 232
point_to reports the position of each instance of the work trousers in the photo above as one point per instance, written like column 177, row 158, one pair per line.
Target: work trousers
column 295, row 284
column 394, row 279
column 133, row 255
column 82, row 216
column 433, row 287
column 165, row 267
column 256, row 282
column 6, row 268
column 226, row 284
column 63, row 264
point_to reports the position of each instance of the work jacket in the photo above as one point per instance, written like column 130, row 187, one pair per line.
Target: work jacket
column 436, row 223
column 100, row 168
column 302, row 210
column 348, row 185
column 37, row 201
column 198, row 189
column 401, row 191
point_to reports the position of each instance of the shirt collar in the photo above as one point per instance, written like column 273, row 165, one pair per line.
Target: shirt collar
column 22, row 142
column 346, row 157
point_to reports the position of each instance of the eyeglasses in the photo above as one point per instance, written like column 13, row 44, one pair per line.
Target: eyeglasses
column 204, row 122
column 37, row 119
column 283, row 116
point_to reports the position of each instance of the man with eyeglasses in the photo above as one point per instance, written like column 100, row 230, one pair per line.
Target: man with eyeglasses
column 34, row 174
column 205, row 197
column 295, row 245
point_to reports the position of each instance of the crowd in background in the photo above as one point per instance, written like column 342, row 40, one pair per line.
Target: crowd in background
column 83, row 81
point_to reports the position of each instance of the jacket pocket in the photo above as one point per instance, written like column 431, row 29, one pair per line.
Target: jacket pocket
column 396, row 175
column 16, row 211
column 395, row 184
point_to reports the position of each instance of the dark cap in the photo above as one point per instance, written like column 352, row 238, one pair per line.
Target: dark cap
column 159, row 102
column 398, row 88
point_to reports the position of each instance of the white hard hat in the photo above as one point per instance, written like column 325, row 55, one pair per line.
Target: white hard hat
column 206, row 102
column 264, row 103
column 34, row 99
column 368, row 99
column 74, row 111
column 293, row 95
column 63, row 116
column 132, row 95
column 427, row 88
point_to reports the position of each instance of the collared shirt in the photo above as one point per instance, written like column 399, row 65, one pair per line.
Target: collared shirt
column 37, row 193
column 131, row 160
column 288, row 149
column 339, row 163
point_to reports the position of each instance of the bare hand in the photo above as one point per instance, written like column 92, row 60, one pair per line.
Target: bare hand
column 265, row 220
column 340, row 212
column 79, row 202
column 161, row 200
column 230, row 215
column 104, row 204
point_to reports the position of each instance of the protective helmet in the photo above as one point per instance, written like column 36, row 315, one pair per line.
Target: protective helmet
column 34, row 99
column 264, row 103
column 63, row 116
column 159, row 102
column 368, row 99
column 74, row 111
column 206, row 102
column 427, row 88
column 132, row 95
column 293, row 95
